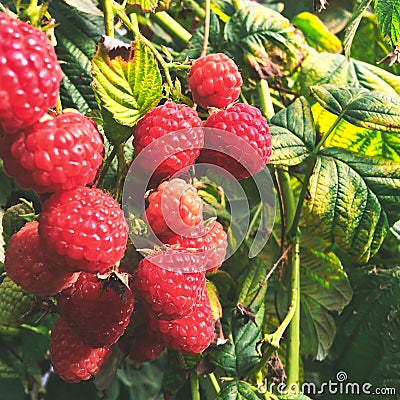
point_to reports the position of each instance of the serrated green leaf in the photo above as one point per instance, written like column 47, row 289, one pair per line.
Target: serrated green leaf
column 363, row 141
column 353, row 24
column 370, row 46
column 360, row 107
column 353, row 199
column 316, row 33
column 388, row 13
column 367, row 345
column 326, row 68
column 257, row 33
column 145, row 5
column 77, row 37
column 293, row 134
column 237, row 390
column 324, row 288
column 239, row 355
column 129, row 88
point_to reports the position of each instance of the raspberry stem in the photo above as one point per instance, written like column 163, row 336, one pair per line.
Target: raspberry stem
column 108, row 17
column 194, row 385
column 206, row 28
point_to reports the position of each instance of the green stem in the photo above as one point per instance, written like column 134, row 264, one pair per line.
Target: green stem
column 180, row 35
column 293, row 344
column 106, row 166
column 108, row 10
column 214, row 382
column 265, row 98
column 121, row 171
column 194, row 385
column 191, row 4
column 135, row 25
column 253, row 221
column 287, row 199
column 206, row 29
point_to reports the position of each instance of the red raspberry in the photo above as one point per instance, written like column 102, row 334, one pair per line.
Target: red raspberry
column 191, row 334
column 72, row 360
column 212, row 241
column 146, row 347
column 169, row 153
column 246, row 149
column 29, row 74
column 161, row 281
column 85, row 226
column 29, row 265
column 56, row 154
column 215, row 81
column 174, row 207
column 98, row 311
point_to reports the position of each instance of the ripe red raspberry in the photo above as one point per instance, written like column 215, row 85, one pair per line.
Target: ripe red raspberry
column 191, row 334
column 56, row 154
column 29, row 74
column 72, row 360
column 174, row 208
column 170, row 153
column 161, row 281
column 30, row 266
column 98, row 311
column 211, row 240
column 245, row 149
column 86, row 226
column 146, row 347
column 215, row 81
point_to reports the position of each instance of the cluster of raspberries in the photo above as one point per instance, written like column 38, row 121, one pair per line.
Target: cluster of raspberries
column 72, row 252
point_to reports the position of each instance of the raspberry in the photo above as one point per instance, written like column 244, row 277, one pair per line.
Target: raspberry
column 146, row 347
column 215, row 81
column 56, row 154
column 174, row 207
column 169, row 153
column 97, row 312
column 246, row 148
column 161, row 282
column 15, row 303
column 15, row 218
column 72, row 360
column 85, row 226
column 29, row 265
column 29, row 74
column 212, row 241
column 191, row 334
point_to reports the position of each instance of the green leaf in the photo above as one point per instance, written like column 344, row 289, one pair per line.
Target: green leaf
column 258, row 34
column 77, row 36
column 86, row 6
column 316, row 33
column 324, row 288
column 239, row 355
column 388, row 13
column 326, row 68
column 128, row 87
column 237, row 390
column 6, row 185
column 370, row 46
column 367, row 345
column 294, row 397
column 145, row 5
column 353, row 200
column 293, row 134
column 369, row 142
column 360, row 107
column 353, row 24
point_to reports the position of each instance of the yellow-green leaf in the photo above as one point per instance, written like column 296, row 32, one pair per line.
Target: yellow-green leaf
column 316, row 33
column 352, row 201
column 360, row 107
column 370, row 142
column 127, row 80
column 145, row 5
